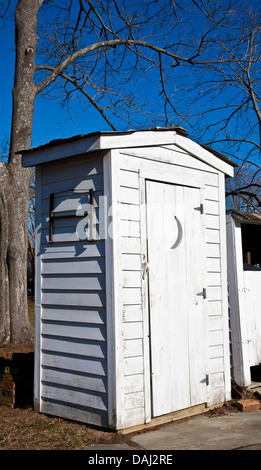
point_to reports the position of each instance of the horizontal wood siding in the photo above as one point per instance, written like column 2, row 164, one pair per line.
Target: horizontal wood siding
column 73, row 297
column 132, row 316
column 214, row 295
column 167, row 164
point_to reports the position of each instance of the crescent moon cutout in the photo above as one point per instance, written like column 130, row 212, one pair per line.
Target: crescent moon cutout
column 180, row 234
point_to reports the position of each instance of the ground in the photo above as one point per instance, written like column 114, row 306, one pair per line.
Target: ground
column 22, row 428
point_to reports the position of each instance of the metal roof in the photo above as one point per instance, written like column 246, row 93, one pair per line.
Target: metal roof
column 246, row 217
column 52, row 143
column 99, row 134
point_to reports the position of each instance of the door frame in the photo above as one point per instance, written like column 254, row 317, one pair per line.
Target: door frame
column 145, row 289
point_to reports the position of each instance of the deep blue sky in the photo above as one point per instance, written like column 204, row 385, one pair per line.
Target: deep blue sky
column 50, row 122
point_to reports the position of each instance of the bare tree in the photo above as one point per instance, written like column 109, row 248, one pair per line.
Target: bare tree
column 105, row 52
column 99, row 49
column 223, row 93
column 243, row 192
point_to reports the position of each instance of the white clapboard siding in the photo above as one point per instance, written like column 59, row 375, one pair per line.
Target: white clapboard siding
column 131, row 279
column 74, row 396
column 81, row 282
column 70, row 250
column 87, row 299
column 73, row 266
column 131, row 292
column 252, row 291
column 214, row 288
column 77, row 413
column 75, row 330
column 73, row 292
column 95, row 366
column 131, row 257
column 71, row 201
column 71, row 219
column 74, row 314
column 133, row 383
column 133, row 347
column 74, row 379
column 93, row 299
column 134, row 400
column 132, row 313
column 70, row 169
column 70, row 345
column 74, row 234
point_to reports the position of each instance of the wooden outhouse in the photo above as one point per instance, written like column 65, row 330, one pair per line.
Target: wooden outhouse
column 244, row 278
column 131, row 283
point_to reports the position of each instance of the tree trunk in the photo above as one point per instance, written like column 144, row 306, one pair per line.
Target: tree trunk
column 14, row 184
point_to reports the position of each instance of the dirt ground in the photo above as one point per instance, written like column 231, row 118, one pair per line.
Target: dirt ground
column 21, row 428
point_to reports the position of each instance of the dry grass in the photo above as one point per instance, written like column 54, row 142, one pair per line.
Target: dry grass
column 24, row 429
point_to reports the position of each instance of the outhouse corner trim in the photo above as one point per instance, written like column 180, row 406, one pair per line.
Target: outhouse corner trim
column 207, row 156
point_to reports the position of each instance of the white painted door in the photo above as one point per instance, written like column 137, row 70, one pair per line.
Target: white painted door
column 176, row 297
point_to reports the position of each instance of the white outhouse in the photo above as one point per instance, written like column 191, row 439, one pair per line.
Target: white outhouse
column 244, row 278
column 131, row 283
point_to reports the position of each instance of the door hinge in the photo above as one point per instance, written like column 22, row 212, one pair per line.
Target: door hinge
column 205, row 380
column 200, row 208
column 203, row 293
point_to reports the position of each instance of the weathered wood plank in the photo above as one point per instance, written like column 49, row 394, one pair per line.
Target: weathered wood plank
column 73, row 266
column 79, row 250
column 132, row 313
column 131, row 279
column 81, row 414
column 71, row 168
column 214, row 293
column 213, row 250
column 212, row 221
column 129, row 195
column 71, row 378
column 130, row 245
column 211, row 192
column 73, row 345
column 76, row 364
column 216, row 365
column 74, row 396
column 133, row 383
column 213, row 265
column 77, row 298
column 129, row 179
column 133, row 365
column 212, row 235
column 75, row 330
column 131, row 296
column 132, row 348
column 131, row 262
column 130, row 228
column 129, row 212
column 132, row 330
column 134, row 400
column 84, row 282
column 75, row 183
column 213, row 279
column 74, row 314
